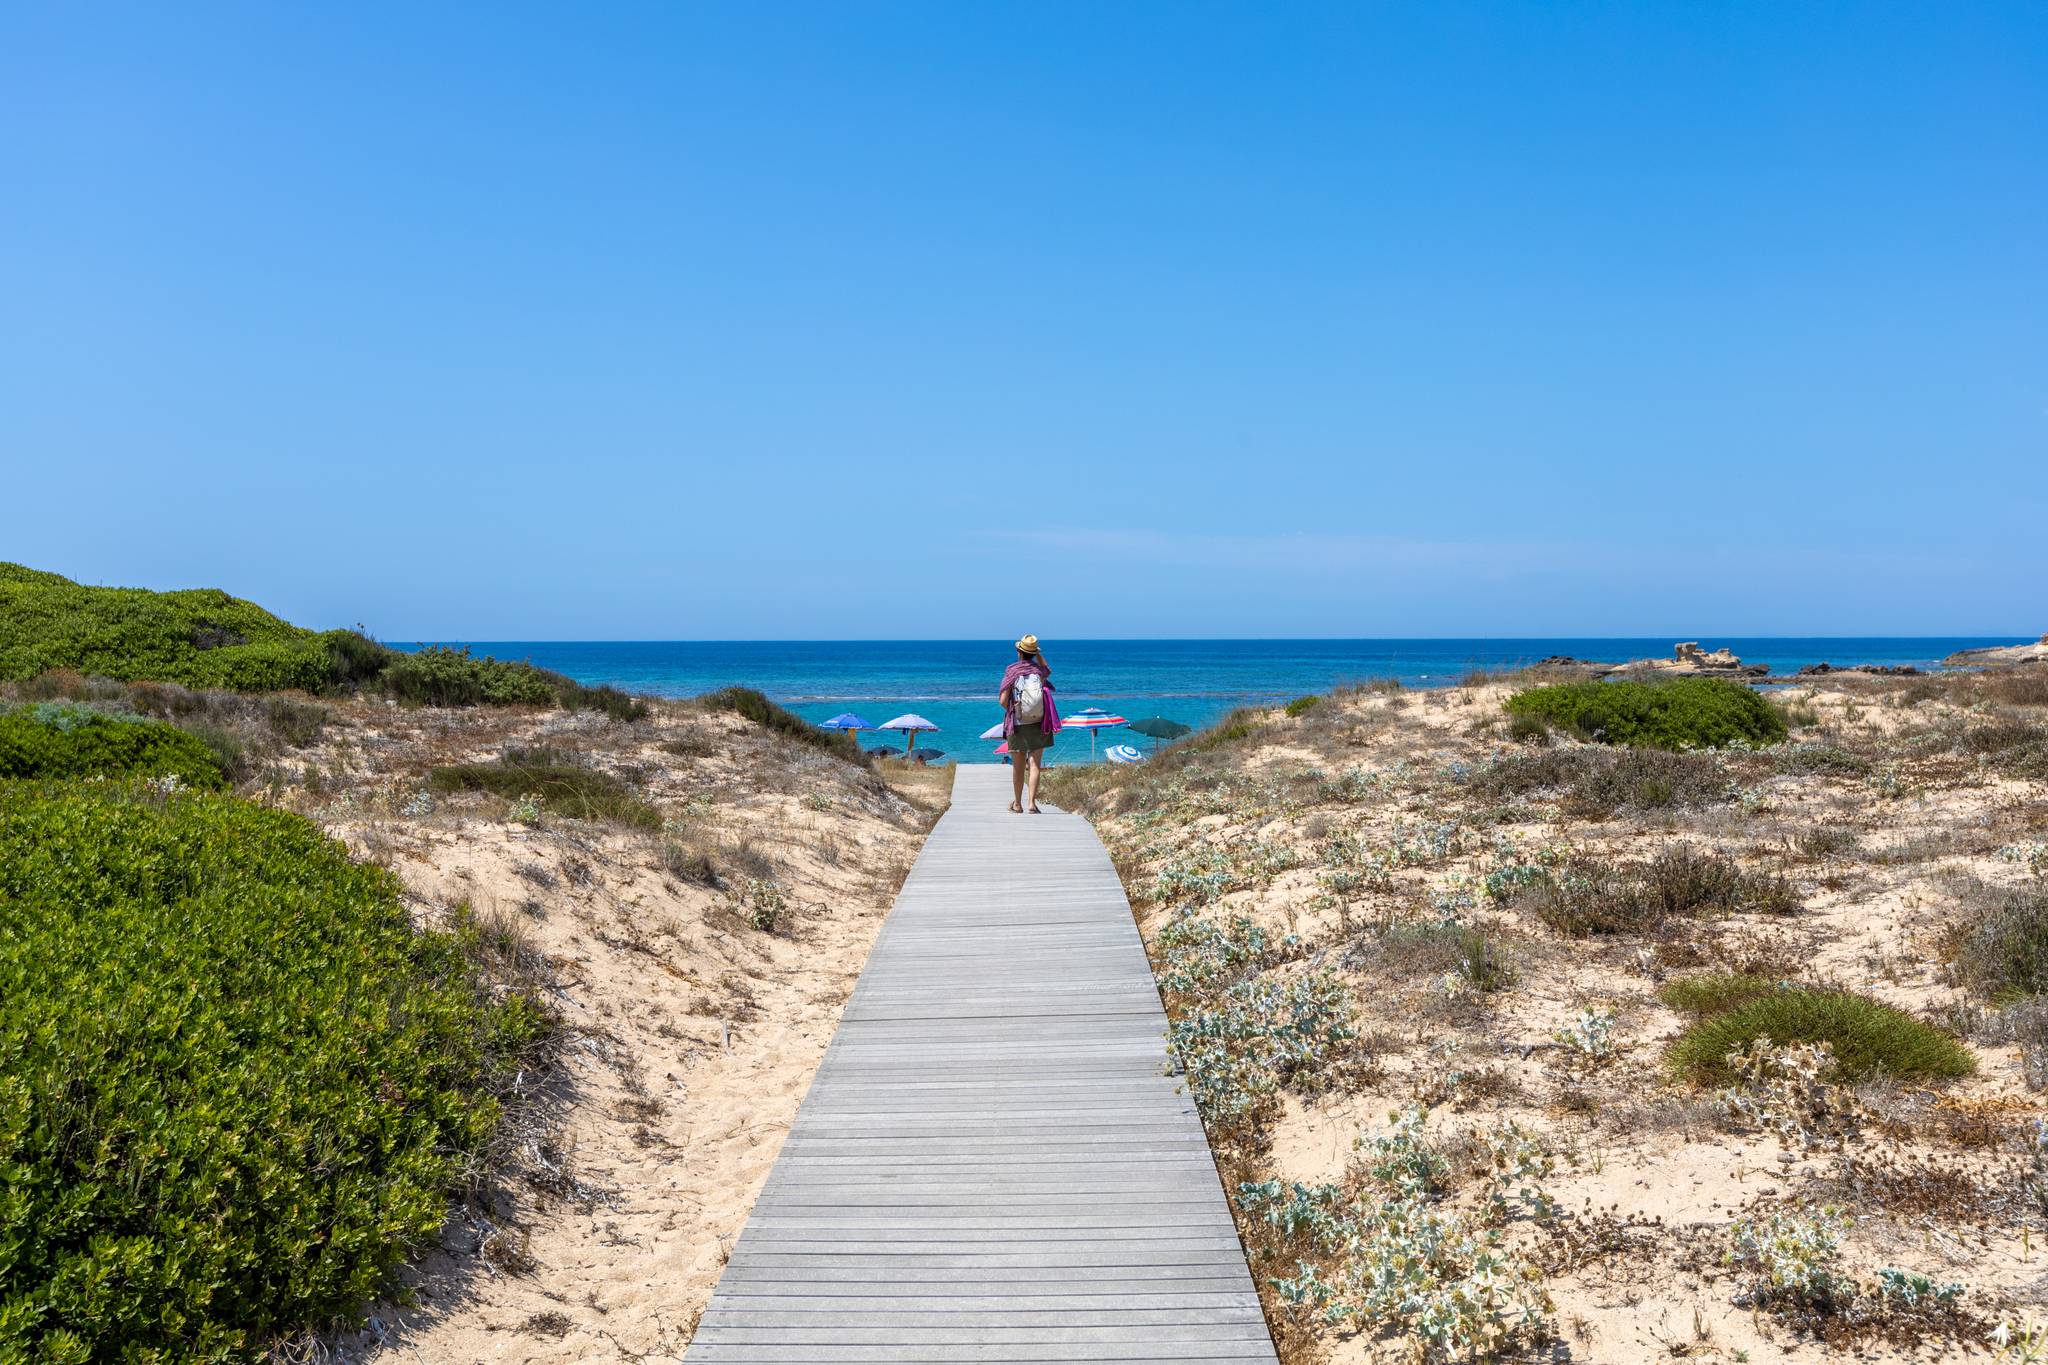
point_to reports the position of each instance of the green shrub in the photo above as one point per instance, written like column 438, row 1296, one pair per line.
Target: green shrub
column 200, row 637
column 438, row 675
column 1868, row 1038
column 1645, row 779
column 1301, row 706
column 745, row 701
column 608, row 699
column 1679, row 713
column 1528, row 729
column 235, row 1083
column 1826, row 759
column 1239, row 724
column 2001, row 950
column 1404, row 950
column 354, row 659
column 204, row 638
column 62, row 740
column 1586, row 896
column 564, row 786
column 1712, row 993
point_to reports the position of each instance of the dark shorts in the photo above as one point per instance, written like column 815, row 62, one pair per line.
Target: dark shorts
column 1029, row 736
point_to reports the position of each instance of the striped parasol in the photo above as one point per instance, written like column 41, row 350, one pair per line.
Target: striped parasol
column 1091, row 720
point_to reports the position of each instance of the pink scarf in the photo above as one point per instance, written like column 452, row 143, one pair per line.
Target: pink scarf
column 1015, row 671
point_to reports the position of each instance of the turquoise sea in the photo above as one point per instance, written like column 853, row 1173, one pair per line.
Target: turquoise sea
column 953, row 682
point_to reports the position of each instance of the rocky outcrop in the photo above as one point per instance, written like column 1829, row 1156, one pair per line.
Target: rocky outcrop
column 2035, row 653
column 1876, row 670
column 1688, row 660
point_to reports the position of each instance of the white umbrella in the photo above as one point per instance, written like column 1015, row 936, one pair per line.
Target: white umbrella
column 1122, row 753
column 910, row 724
column 994, row 731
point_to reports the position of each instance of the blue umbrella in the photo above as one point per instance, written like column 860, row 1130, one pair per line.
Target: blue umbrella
column 845, row 720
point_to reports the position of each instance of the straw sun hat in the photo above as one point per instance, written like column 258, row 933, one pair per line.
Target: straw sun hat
column 1028, row 645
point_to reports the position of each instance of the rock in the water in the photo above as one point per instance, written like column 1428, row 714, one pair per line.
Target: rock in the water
column 1876, row 670
column 1688, row 660
column 2003, row 654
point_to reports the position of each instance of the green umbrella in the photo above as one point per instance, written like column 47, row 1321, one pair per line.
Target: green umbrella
column 1159, row 727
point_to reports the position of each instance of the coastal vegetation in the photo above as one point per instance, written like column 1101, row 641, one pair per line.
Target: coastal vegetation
column 236, row 1082
column 1865, row 1037
column 58, row 740
column 1500, row 1002
column 1677, row 713
column 290, row 972
column 745, row 701
column 550, row 779
column 204, row 638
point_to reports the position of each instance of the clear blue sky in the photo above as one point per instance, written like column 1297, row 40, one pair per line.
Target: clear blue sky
column 777, row 320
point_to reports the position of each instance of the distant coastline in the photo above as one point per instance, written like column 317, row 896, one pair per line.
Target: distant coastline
column 951, row 682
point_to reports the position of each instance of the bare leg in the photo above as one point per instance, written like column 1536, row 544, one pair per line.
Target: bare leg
column 1017, row 782
column 1037, row 767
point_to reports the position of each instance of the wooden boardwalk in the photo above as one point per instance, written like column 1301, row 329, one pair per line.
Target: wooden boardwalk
column 990, row 1164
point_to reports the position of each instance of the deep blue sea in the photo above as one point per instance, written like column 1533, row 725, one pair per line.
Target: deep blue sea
column 953, row 682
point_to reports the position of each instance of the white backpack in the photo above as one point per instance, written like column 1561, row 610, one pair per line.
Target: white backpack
column 1028, row 696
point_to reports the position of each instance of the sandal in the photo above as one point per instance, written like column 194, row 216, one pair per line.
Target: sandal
column 1016, row 809
column 1036, row 811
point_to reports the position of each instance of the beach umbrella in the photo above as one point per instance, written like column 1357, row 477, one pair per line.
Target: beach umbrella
column 1003, row 751
column 845, row 720
column 928, row 756
column 994, row 731
column 1157, row 728
column 884, row 751
column 1122, row 753
column 1091, row 720
column 910, row 724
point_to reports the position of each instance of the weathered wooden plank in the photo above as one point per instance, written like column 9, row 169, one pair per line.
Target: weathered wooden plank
column 993, row 1163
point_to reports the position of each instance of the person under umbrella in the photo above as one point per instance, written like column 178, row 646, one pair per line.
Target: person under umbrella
column 910, row 723
column 848, row 724
column 1030, row 720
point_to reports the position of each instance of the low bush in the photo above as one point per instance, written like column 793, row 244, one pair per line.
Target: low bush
column 1587, row 896
column 65, row 740
column 606, row 698
column 1805, row 760
column 2023, row 685
column 564, row 786
column 1680, row 713
column 1712, row 993
column 1595, row 783
column 1645, row 779
column 438, row 675
column 1528, row 729
column 747, row 702
column 2001, row 949
column 1868, row 1038
column 235, row 1082
column 1403, row 951
column 1239, row 724
column 1301, row 706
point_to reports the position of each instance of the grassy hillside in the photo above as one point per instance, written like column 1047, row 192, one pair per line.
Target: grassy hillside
column 202, row 637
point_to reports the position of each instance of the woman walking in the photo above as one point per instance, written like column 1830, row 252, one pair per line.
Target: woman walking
column 1029, row 719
